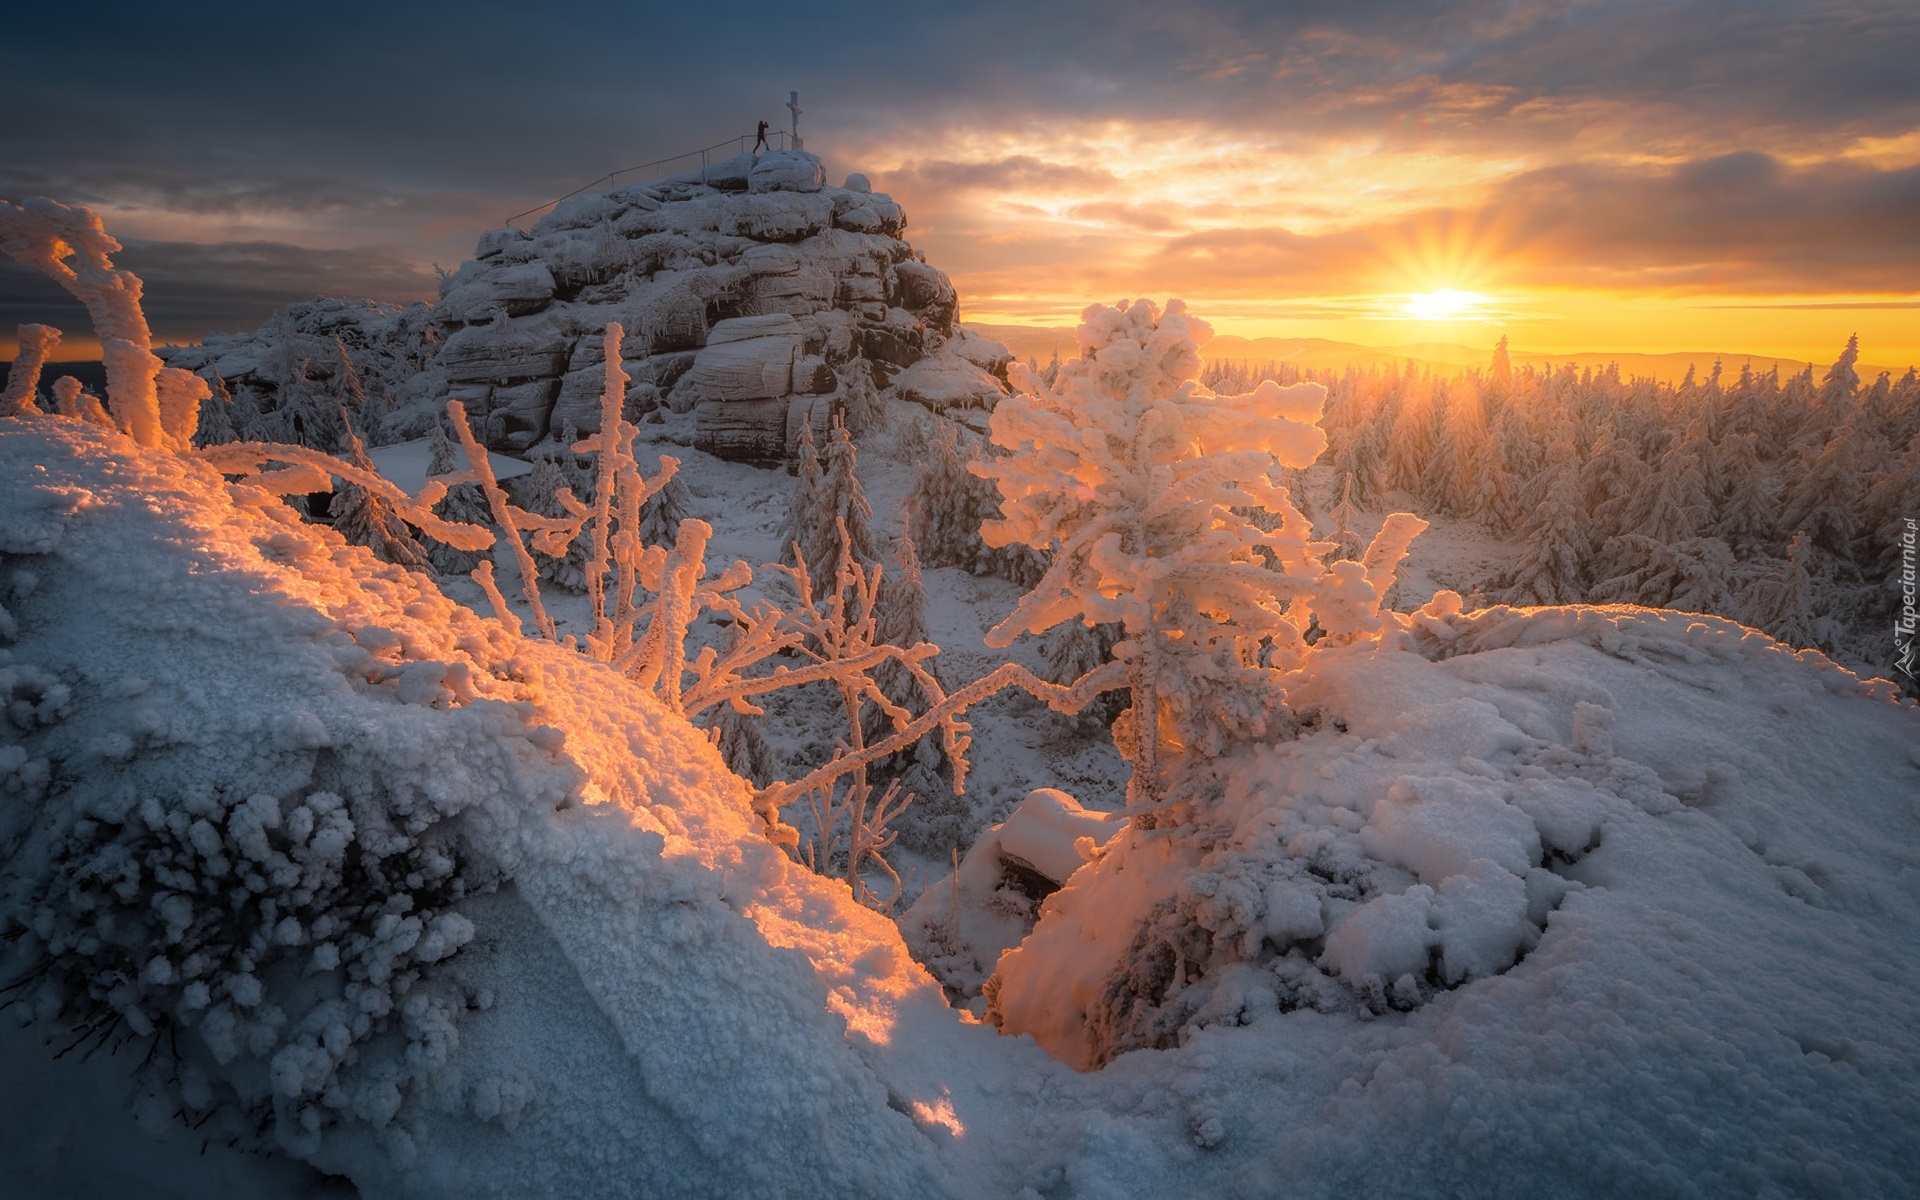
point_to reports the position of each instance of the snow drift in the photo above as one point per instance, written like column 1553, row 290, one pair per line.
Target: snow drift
column 444, row 910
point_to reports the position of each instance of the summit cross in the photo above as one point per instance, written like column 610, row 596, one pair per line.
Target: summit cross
column 793, row 106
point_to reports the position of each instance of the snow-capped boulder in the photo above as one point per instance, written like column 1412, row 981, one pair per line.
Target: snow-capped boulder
column 479, row 291
column 943, row 383
column 787, row 171
column 747, row 358
column 964, row 922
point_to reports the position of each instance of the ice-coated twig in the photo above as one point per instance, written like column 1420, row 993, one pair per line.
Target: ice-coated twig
column 482, row 574
column 72, row 400
column 506, row 515
column 153, row 403
column 944, row 715
column 304, row 469
column 23, row 379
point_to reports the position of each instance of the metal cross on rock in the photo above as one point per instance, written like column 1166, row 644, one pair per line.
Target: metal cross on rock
column 793, row 106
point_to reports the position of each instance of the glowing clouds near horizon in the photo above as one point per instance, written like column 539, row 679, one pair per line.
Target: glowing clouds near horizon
column 1568, row 243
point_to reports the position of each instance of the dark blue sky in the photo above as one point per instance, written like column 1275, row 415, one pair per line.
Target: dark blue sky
column 250, row 155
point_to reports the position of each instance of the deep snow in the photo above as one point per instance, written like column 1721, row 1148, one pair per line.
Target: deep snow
column 1715, row 856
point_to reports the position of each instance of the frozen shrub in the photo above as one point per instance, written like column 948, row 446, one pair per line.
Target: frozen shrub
column 1137, row 480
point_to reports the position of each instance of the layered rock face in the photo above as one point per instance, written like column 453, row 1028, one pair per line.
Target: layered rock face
column 753, row 295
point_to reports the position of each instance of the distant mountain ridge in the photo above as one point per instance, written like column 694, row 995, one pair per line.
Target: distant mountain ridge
column 1039, row 342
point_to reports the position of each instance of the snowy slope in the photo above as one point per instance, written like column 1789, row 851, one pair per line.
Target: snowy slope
column 645, row 999
column 1716, row 899
column 1716, row 856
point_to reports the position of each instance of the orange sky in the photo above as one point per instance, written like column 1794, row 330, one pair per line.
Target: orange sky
column 1614, row 249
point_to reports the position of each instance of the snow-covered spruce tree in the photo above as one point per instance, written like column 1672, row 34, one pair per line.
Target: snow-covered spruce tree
column 1781, row 602
column 661, row 515
column 541, row 496
column 865, row 409
column 948, row 504
column 1346, row 541
column 1554, row 541
column 367, row 519
column 737, row 736
column 1745, row 516
column 1825, row 498
column 1130, row 471
column 840, row 521
column 806, row 494
column 1693, row 575
column 217, row 426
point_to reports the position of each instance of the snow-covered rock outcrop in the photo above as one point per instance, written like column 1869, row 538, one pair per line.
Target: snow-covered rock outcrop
column 681, row 263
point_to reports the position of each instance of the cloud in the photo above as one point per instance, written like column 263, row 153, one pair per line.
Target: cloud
column 1743, row 224
column 1736, row 223
column 1226, row 143
column 1010, row 173
column 192, row 288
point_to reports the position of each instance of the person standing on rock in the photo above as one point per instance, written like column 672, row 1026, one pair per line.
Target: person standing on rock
column 760, row 139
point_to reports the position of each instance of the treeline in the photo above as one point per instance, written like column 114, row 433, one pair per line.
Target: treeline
column 1780, row 503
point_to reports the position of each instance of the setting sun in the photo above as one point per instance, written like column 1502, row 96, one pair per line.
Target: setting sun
column 1446, row 304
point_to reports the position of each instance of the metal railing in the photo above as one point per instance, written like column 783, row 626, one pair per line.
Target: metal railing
column 777, row 140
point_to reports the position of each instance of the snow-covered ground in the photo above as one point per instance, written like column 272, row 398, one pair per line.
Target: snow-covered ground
column 1628, row 898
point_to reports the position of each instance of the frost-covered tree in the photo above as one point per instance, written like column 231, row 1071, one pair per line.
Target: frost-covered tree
column 660, row 516
column 1825, row 497
column 1695, row 575
column 805, row 500
column 1346, row 541
column 464, row 504
column 217, row 426
column 23, row 377
column 153, row 403
column 865, row 408
column 941, row 514
column 1781, row 599
column 1675, row 507
column 1130, row 471
column 1745, row 515
column 1554, row 546
column 1841, row 380
column 366, row 518
column 737, row 736
column 838, row 521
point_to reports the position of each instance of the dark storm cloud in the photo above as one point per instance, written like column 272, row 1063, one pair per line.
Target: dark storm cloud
column 194, row 288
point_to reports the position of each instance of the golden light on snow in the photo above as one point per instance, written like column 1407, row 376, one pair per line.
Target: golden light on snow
column 940, row 1113
column 1446, row 304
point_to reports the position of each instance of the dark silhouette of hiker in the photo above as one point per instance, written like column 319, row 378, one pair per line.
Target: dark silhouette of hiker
column 760, row 139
